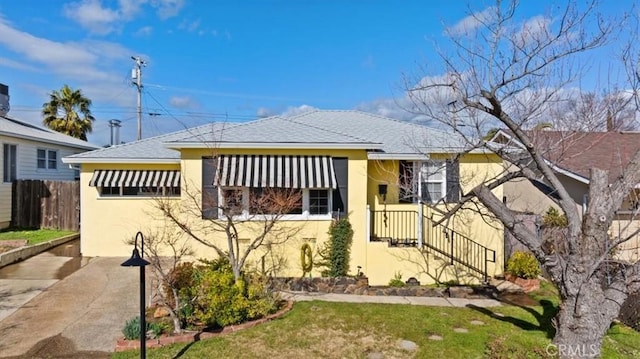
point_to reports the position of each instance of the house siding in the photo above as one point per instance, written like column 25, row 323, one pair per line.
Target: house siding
column 27, row 168
column 107, row 223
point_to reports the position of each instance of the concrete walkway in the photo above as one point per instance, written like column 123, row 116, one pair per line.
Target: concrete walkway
column 86, row 311
column 427, row 301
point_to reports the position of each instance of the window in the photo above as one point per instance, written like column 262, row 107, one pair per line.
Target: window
column 147, row 191
column 261, row 201
column 318, row 201
column 275, row 201
column 232, row 201
column 9, row 164
column 47, row 159
column 433, row 181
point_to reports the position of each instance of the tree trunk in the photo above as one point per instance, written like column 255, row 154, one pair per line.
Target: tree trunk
column 582, row 322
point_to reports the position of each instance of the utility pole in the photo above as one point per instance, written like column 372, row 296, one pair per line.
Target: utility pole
column 136, row 79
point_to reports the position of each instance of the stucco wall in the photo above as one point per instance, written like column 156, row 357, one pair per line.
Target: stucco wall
column 107, row 223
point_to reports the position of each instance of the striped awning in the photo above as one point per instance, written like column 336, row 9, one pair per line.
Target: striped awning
column 135, row 178
column 275, row 171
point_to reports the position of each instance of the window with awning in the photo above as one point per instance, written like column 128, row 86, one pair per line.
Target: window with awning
column 136, row 182
column 260, row 171
column 232, row 183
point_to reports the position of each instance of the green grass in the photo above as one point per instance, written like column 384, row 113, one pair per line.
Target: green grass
column 344, row 330
column 33, row 236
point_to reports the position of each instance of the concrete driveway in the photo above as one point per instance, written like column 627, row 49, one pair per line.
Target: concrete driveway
column 81, row 315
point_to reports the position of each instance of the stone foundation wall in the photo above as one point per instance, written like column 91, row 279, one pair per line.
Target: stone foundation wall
column 360, row 286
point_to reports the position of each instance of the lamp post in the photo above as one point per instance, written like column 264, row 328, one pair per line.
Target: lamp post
column 137, row 260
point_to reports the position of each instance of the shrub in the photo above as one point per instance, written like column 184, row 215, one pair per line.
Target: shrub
column 523, row 265
column 396, row 281
column 179, row 278
column 336, row 252
column 131, row 329
column 554, row 219
column 218, row 300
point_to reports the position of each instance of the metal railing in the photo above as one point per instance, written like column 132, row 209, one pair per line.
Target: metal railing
column 400, row 229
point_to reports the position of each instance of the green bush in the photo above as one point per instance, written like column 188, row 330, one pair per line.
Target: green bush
column 335, row 254
column 523, row 265
column 396, row 281
column 553, row 218
column 131, row 329
column 218, row 300
column 180, row 277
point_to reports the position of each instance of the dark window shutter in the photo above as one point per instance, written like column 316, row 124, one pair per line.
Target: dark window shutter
column 339, row 196
column 453, row 180
column 209, row 191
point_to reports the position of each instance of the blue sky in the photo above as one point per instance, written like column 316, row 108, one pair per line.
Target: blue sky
column 223, row 60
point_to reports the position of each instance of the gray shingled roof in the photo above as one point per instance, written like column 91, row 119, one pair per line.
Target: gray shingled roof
column 15, row 128
column 338, row 128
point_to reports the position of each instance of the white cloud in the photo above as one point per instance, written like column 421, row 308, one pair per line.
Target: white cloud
column 17, row 65
column 91, row 15
column 144, row 31
column 533, row 30
column 167, row 8
column 183, row 102
column 470, row 23
column 99, row 19
column 288, row 112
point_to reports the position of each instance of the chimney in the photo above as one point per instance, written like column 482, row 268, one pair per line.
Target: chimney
column 115, row 132
column 4, row 99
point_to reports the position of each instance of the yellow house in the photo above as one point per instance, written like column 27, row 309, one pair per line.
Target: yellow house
column 392, row 179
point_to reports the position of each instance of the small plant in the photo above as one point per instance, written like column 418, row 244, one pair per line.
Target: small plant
column 336, row 252
column 523, row 265
column 553, row 218
column 131, row 329
column 396, row 281
column 157, row 328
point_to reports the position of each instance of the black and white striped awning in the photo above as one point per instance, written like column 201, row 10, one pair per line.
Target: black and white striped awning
column 275, row 171
column 135, row 178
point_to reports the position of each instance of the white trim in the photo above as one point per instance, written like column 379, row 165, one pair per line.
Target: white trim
column 568, row 173
column 80, row 160
column 47, row 140
column 273, row 145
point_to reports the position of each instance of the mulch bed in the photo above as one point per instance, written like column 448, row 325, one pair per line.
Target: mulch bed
column 189, row 337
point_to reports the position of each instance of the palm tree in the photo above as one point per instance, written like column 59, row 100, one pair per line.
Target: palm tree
column 62, row 113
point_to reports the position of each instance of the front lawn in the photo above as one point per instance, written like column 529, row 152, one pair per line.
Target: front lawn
column 33, row 236
column 342, row 330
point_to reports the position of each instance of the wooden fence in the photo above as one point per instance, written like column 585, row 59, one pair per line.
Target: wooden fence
column 46, row 204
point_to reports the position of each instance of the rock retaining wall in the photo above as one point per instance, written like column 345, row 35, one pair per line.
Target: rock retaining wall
column 350, row 285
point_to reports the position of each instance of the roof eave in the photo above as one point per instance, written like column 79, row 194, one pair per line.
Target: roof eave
column 46, row 140
column 80, row 160
column 273, row 145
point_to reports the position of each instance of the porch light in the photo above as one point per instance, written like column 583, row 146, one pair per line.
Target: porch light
column 137, row 260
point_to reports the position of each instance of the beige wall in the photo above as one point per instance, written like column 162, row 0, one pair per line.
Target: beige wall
column 5, row 200
column 107, row 223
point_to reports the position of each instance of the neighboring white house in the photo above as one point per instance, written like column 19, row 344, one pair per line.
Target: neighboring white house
column 31, row 152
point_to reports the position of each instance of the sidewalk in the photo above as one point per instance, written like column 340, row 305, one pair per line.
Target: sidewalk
column 354, row 298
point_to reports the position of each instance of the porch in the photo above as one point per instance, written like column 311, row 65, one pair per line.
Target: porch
column 411, row 225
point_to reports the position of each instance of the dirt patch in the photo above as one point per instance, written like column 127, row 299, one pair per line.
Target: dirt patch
column 59, row 347
column 518, row 299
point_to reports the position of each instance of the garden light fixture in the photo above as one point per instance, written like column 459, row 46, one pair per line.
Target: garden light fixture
column 137, row 260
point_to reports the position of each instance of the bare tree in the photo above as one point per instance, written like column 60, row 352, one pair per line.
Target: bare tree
column 240, row 226
column 165, row 249
column 506, row 71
